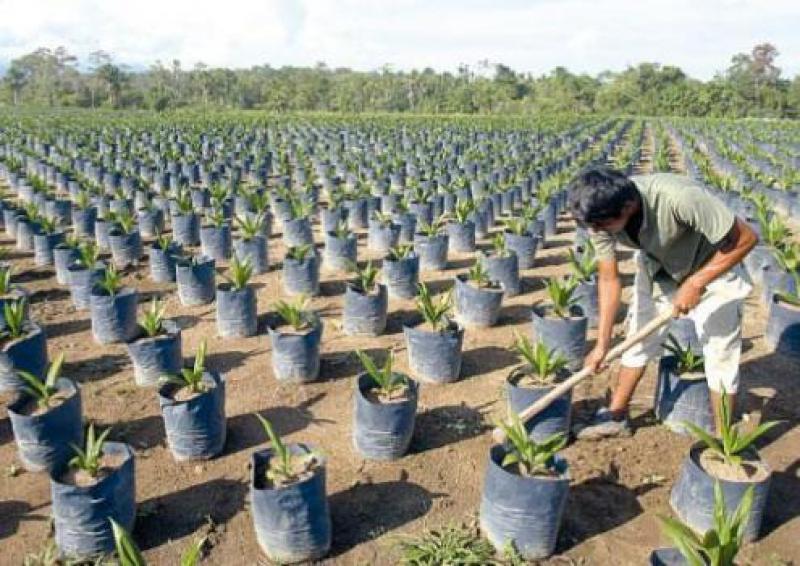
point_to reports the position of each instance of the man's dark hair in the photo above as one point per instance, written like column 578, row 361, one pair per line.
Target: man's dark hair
column 599, row 193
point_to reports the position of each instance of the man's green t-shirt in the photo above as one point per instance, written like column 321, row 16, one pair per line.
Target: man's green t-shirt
column 681, row 227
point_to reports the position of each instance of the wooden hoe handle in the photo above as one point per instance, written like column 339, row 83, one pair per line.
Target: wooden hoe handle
column 542, row 403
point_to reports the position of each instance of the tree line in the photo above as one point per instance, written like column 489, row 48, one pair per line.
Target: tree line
column 751, row 86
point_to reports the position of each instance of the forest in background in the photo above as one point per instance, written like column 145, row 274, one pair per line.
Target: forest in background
column 752, row 85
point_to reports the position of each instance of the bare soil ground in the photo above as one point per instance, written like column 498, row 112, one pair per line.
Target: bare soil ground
column 618, row 486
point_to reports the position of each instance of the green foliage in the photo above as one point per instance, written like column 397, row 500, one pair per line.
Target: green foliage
column 191, row 377
column 111, row 281
column 88, row 254
column 388, row 383
column 434, row 228
column 775, row 231
column 296, row 313
column 720, row 544
column 128, row 553
column 732, row 443
column 216, row 217
column 300, row 208
column 250, row 226
column 463, row 210
column 341, row 231
column 125, row 221
column 478, row 274
column 516, row 225
column 15, row 313
column 284, row 466
column 6, row 271
column 788, row 257
column 241, row 270
column 299, row 253
column 400, row 251
column 451, row 546
column 163, row 241
column 585, row 266
column 529, row 456
column 435, row 312
column 43, row 391
column 543, row 362
column 87, row 458
column 153, row 318
column 382, row 218
column 184, row 202
column 499, row 245
column 366, row 277
column 688, row 360
column 561, row 292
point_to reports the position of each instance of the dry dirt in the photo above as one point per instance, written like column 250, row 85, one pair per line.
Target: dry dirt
column 618, row 486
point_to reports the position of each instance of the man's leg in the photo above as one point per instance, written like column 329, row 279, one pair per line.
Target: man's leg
column 612, row 421
column 627, row 380
column 719, row 327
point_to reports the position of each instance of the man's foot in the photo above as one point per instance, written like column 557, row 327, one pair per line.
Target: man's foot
column 603, row 425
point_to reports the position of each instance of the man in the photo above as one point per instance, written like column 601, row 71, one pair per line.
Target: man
column 689, row 249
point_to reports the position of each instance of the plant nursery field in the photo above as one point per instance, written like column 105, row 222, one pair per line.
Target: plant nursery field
column 298, row 200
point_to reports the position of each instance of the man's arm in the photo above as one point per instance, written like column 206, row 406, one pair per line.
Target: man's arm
column 731, row 250
column 609, row 290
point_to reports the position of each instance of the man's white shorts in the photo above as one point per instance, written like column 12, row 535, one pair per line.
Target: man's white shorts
column 717, row 319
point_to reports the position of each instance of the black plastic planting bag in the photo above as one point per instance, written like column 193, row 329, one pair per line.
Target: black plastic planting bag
column 196, row 427
column 402, row 276
column 292, row 523
column 81, row 514
column 28, row 353
column 156, row 356
column 383, row 431
column 44, row 440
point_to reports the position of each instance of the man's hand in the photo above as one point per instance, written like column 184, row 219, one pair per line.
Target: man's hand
column 595, row 359
column 687, row 297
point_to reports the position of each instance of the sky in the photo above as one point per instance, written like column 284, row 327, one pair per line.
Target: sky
column 700, row 36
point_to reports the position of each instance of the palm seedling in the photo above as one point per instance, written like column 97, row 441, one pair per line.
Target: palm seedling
column 382, row 218
column 463, row 210
column 434, row 228
column 543, row 363
column 5, row 279
column 43, row 391
column 241, row 270
column 584, row 266
column 300, row 208
column 478, row 275
column 128, row 552
column 83, row 200
column 688, row 360
column 434, row 312
column 218, row 194
column 788, row 257
column 285, row 466
column 775, row 232
column 341, row 231
column 15, row 313
column 250, row 226
column 87, row 458
column 153, row 318
column 561, row 292
column 259, row 202
column 387, row 383
column 499, row 245
column 88, row 254
column 732, row 443
column 191, row 378
column 184, row 202
column 295, row 314
column 400, row 251
column 163, row 241
column 366, row 277
column 125, row 221
column 720, row 544
column 529, row 456
column 48, row 225
column 516, row 226
column 111, row 281
column 299, row 253
column 216, row 217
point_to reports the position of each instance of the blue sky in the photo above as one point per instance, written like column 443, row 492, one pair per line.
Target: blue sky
column 700, row 36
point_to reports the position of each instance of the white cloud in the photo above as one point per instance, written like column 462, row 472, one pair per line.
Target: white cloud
column 534, row 36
